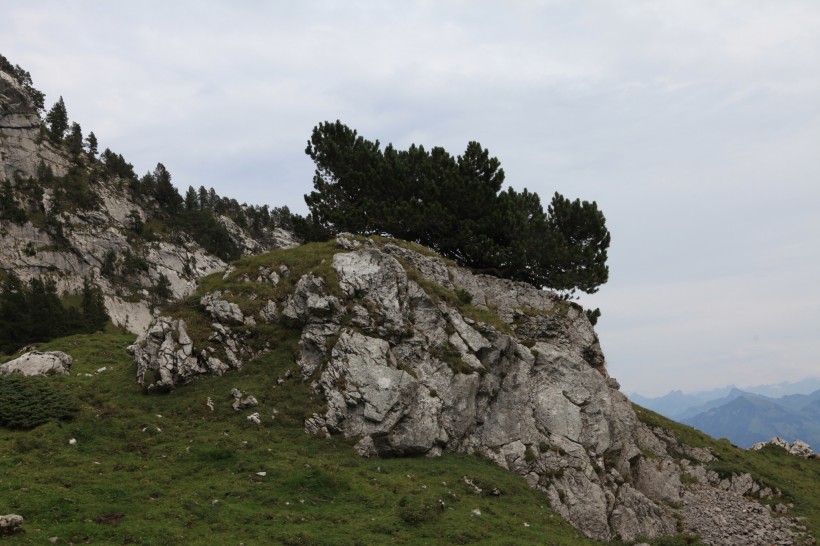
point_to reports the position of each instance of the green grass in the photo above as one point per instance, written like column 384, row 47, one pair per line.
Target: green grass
column 797, row 478
column 164, row 469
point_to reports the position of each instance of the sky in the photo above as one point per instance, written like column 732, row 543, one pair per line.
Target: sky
column 694, row 125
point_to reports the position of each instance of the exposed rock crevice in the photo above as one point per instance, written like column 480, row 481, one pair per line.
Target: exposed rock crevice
column 405, row 371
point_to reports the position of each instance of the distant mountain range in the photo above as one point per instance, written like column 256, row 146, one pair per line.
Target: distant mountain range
column 754, row 414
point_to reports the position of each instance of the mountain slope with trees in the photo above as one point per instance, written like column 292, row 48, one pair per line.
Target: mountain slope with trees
column 71, row 216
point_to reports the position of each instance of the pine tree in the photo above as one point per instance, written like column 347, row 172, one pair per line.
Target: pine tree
column 91, row 143
column 15, row 326
column 57, row 120
column 456, row 207
column 165, row 192
column 93, row 313
column 75, row 139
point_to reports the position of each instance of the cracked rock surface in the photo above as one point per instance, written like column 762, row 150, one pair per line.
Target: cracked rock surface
column 404, row 371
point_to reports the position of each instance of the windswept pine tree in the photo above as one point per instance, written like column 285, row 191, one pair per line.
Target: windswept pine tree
column 456, row 206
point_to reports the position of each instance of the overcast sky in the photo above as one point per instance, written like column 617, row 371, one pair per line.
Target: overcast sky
column 694, row 124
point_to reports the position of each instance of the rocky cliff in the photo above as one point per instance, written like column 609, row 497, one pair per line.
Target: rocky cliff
column 52, row 237
column 408, row 354
column 415, row 356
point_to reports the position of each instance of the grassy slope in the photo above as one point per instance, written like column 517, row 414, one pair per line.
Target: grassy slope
column 181, row 474
column 164, row 469
column 798, row 479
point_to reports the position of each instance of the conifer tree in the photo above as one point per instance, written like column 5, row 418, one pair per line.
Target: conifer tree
column 57, row 120
column 75, row 139
column 456, row 207
column 91, row 143
column 93, row 312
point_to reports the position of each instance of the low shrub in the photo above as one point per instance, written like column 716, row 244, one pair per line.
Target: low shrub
column 28, row 402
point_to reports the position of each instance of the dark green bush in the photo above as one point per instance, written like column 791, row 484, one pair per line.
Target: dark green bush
column 28, row 402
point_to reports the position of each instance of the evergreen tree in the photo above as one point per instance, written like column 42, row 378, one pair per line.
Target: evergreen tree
column 93, row 312
column 15, row 325
column 165, row 192
column 57, row 120
column 75, row 139
column 162, row 290
column 91, row 143
column 455, row 206
column 191, row 200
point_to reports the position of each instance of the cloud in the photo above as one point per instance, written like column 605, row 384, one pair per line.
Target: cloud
column 693, row 124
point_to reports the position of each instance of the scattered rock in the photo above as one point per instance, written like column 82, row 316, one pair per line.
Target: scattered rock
column 242, row 400
column 799, row 448
column 254, row 418
column 726, row 518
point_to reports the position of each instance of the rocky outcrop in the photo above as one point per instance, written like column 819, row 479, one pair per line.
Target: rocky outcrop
column 165, row 356
column 38, row 363
column 78, row 243
column 414, row 356
column 22, row 147
column 799, row 448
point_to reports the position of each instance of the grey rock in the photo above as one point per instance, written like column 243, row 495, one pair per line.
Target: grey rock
column 38, row 363
column 309, row 301
column 345, row 240
column 269, row 312
column 404, row 373
column 799, row 448
column 242, row 400
column 166, row 357
column 222, row 310
column 10, row 524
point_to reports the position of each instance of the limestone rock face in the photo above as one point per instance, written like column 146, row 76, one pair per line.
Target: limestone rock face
column 37, row 363
column 165, row 356
column 89, row 236
column 407, row 367
column 221, row 310
column 21, row 147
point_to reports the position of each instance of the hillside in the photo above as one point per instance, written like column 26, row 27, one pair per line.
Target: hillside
column 360, row 390
column 69, row 214
column 214, row 475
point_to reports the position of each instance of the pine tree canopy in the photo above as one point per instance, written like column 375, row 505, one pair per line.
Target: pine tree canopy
column 57, row 120
column 456, row 206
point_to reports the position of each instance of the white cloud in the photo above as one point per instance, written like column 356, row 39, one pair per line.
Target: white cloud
column 693, row 123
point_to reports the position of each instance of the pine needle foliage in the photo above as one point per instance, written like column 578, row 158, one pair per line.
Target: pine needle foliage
column 28, row 402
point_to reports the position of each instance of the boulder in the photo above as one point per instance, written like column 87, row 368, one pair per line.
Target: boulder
column 38, row 363
column 10, row 524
